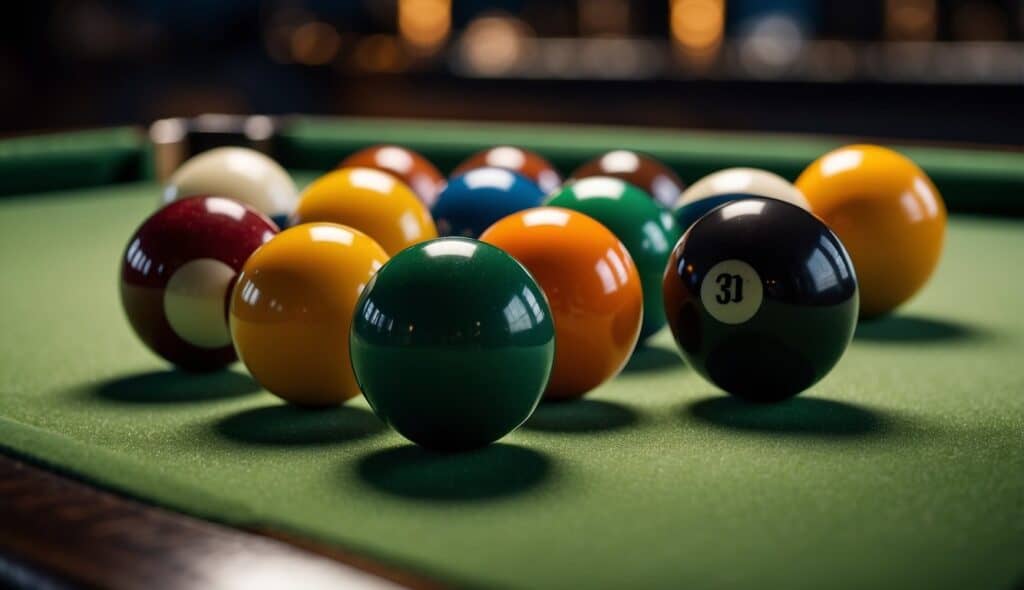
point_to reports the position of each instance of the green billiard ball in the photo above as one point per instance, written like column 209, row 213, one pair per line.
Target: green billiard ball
column 646, row 229
column 452, row 343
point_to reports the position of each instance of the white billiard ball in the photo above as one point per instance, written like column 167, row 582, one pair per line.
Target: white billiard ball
column 238, row 173
column 732, row 184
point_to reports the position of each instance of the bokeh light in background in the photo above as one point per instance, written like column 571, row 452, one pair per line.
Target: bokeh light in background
column 698, row 27
column 911, row 20
column 314, row 44
column 744, row 64
column 493, row 45
column 425, row 24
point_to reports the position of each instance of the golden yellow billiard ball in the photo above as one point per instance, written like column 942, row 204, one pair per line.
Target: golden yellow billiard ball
column 291, row 311
column 888, row 214
column 371, row 201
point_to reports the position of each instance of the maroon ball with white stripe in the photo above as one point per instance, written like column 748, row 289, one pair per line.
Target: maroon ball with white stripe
column 177, row 274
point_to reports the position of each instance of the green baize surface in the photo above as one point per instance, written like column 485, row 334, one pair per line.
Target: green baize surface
column 903, row 468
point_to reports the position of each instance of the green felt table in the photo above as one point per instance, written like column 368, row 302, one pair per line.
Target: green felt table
column 903, row 468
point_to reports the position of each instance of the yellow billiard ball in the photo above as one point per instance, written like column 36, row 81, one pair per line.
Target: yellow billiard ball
column 291, row 310
column 888, row 214
column 374, row 202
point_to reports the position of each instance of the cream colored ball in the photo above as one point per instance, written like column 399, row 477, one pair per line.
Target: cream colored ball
column 238, row 173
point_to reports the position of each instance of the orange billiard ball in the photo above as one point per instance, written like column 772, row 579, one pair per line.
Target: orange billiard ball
column 408, row 166
column 888, row 214
column 371, row 201
column 592, row 286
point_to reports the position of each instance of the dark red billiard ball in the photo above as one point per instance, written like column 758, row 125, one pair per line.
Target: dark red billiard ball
column 177, row 273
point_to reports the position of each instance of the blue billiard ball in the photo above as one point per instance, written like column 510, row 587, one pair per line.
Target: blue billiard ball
column 473, row 201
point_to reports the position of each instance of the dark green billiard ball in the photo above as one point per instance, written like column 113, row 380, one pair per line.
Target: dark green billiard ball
column 452, row 343
column 646, row 229
column 761, row 298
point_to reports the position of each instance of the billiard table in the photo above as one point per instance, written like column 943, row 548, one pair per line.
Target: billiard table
column 903, row 468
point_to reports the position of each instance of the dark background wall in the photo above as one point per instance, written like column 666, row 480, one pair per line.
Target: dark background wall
column 937, row 70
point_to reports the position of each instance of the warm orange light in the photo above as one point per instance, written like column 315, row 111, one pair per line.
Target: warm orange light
column 910, row 20
column 697, row 25
column 379, row 53
column 424, row 24
column 315, row 44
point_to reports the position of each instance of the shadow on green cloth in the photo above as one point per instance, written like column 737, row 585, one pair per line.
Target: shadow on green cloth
column 801, row 416
column 496, row 471
column 284, row 425
column 580, row 416
column 653, row 358
column 912, row 328
column 174, row 386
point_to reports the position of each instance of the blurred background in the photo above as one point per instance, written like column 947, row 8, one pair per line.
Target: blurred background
column 933, row 70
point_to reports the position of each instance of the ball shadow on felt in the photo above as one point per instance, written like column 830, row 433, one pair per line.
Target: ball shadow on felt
column 174, row 386
column 916, row 329
column 799, row 416
column 286, row 425
column 653, row 358
column 496, row 471
column 580, row 416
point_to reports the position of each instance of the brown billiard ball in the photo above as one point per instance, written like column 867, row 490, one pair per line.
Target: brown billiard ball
column 177, row 273
column 655, row 178
column 529, row 164
column 408, row 166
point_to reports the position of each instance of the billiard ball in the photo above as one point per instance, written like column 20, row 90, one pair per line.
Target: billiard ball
column 176, row 276
column 475, row 200
column 291, row 311
column 239, row 173
column 525, row 162
column 452, row 343
column 647, row 230
column 638, row 169
column 761, row 298
column 732, row 184
column 592, row 286
column 408, row 166
column 374, row 202
column 887, row 212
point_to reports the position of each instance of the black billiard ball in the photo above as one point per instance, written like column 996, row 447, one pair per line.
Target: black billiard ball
column 761, row 298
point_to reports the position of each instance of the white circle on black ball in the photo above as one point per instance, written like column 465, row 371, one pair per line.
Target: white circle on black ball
column 732, row 291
